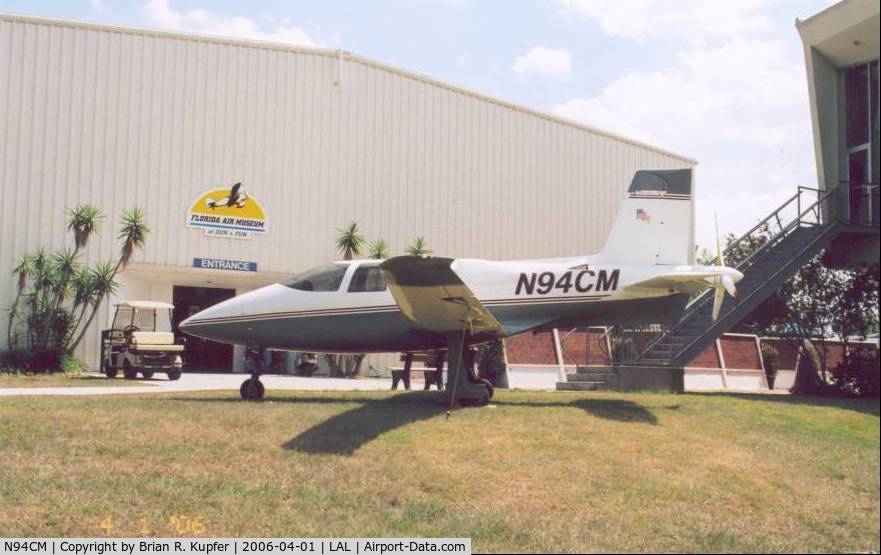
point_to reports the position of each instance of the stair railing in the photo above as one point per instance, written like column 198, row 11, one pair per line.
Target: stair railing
column 816, row 213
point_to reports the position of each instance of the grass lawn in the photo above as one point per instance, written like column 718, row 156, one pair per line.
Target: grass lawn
column 60, row 380
column 534, row 472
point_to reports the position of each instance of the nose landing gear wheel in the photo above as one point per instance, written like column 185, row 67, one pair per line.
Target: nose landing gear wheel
column 252, row 389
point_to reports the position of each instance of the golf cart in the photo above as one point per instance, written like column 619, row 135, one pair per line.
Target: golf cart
column 134, row 342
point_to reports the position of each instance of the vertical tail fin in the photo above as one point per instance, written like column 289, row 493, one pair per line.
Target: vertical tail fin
column 655, row 224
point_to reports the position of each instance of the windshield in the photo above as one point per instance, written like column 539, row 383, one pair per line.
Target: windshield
column 144, row 319
column 323, row 278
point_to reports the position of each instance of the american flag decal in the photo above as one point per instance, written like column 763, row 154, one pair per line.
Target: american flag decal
column 642, row 215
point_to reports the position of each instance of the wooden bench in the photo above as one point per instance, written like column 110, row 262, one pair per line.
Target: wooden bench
column 433, row 374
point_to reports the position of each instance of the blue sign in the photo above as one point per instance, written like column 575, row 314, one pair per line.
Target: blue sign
column 215, row 264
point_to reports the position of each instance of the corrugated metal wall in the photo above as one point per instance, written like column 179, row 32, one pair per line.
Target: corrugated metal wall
column 122, row 117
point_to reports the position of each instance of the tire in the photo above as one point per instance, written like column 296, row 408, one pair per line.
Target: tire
column 147, row 374
column 306, row 369
column 252, row 390
column 174, row 375
column 129, row 372
column 489, row 386
column 110, row 371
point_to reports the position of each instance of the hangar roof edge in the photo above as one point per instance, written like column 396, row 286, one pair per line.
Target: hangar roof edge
column 331, row 52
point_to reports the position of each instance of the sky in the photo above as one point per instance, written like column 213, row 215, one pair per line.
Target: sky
column 720, row 81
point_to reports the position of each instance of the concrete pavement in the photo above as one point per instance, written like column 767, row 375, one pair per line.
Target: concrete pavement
column 206, row 382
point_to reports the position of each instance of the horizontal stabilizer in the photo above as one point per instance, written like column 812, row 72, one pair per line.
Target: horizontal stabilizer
column 689, row 281
column 434, row 298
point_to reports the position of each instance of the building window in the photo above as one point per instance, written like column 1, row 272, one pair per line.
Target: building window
column 857, row 90
column 367, row 279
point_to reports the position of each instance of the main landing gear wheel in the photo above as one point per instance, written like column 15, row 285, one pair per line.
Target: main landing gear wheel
column 489, row 386
column 252, row 389
column 462, row 384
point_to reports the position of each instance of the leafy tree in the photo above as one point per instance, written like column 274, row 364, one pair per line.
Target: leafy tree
column 379, row 249
column 418, row 247
column 816, row 303
column 57, row 297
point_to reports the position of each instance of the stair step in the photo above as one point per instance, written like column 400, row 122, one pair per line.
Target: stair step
column 581, row 386
column 591, row 377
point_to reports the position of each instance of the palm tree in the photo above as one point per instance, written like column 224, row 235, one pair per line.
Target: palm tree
column 350, row 242
column 83, row 221
column 379, row 249
column 418, row 247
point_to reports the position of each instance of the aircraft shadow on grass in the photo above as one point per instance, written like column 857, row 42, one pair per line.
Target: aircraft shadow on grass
column 345, row 433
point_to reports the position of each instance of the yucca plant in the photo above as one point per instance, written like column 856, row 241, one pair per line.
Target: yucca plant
column 418, row 247
column 133, row 234
column 379, row 249
column 350, row 242
column 83, row 221
column 22, row 271
column 57, row 297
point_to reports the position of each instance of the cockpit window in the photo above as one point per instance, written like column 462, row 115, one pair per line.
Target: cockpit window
column 367, row 279
column 323, row 278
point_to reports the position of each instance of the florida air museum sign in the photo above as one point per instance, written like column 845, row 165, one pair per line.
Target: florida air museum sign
column 227, row 212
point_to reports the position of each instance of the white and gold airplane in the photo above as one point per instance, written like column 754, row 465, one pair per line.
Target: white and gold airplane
column 413, row 304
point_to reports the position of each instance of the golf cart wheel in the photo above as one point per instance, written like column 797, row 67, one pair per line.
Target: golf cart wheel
column 129, row 372
column 489, row 387
column 110, row 371
column 147, row 374
column 174, row 375
column 252, row 390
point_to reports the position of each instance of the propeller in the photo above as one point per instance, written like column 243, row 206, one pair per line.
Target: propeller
column 722, row 283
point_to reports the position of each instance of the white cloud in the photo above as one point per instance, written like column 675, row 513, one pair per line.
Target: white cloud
column 691, row 20
column 201, row 20
column 740, row 109
column 541, row 60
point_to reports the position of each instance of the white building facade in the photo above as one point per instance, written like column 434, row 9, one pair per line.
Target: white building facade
column 121, row 117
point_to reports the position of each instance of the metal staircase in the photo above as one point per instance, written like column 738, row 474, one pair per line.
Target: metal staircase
column 771, row 253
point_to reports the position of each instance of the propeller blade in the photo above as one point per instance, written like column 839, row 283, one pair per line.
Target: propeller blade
column 718, row 297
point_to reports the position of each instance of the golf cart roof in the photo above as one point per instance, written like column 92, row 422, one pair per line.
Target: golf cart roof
column 151, row 305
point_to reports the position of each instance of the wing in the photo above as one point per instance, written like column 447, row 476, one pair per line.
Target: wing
column 434, row 298
column 681, row 282
column 234, row 192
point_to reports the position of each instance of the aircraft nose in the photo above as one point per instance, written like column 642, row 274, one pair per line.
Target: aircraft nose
column 214, row 320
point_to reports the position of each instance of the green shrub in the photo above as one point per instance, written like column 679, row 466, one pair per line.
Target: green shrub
column 69, row 364
column 858, row 373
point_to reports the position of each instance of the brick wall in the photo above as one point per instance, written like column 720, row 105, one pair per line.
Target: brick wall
column 740, row 352
column 530, row 348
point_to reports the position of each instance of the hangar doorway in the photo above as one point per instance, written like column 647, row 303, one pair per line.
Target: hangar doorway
column 201, row 355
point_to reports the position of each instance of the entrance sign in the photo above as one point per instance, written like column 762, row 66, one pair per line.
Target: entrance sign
column 216, row 264
column 227, row 212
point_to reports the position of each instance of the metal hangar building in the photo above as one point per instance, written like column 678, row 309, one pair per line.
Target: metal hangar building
column 121, row 117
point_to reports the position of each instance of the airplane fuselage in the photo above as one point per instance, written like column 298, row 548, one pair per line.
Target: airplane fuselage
column 521, row 295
